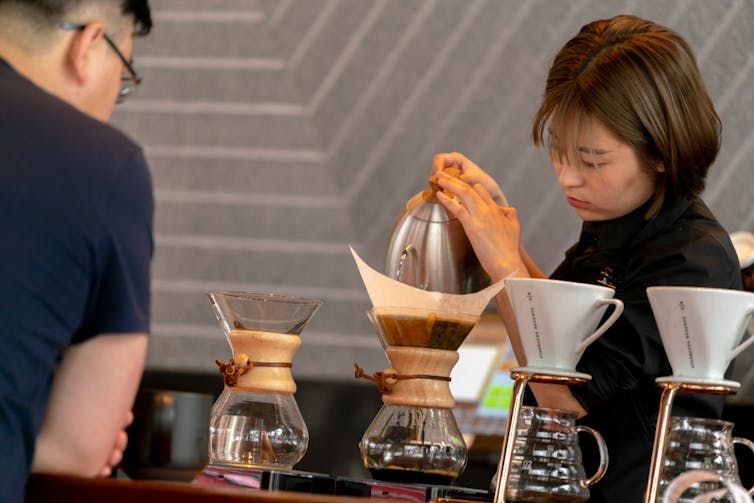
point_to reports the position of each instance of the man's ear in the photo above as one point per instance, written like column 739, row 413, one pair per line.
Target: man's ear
column 80, row 52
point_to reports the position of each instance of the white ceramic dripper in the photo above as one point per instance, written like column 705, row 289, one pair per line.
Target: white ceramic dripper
column 701, row 328
column 557, row 320
column 701, row 331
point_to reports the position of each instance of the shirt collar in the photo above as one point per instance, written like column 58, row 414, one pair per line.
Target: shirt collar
column 634, row 227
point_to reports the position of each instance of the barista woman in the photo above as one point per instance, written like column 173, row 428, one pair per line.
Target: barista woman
column 631, row 132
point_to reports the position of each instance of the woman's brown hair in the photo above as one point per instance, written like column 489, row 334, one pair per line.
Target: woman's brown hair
column 641, row 81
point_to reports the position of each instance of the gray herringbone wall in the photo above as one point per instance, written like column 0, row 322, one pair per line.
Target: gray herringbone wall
column 279, row 131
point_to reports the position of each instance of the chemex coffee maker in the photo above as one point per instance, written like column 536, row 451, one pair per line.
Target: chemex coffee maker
column 424, row 307
column 701, row 331
column 556, row 321
column 256, row 423
column 414, row 437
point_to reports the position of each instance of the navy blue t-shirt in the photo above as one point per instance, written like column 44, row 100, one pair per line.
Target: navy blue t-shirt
column 75, row 247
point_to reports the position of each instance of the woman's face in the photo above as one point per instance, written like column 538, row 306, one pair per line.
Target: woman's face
column 604, row 179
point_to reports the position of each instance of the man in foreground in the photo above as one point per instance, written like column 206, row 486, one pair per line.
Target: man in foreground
column 76, row 238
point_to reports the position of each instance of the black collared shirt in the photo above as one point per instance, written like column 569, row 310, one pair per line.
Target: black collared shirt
column 683, row 245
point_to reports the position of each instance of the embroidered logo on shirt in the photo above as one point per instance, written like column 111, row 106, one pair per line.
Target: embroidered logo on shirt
column 607, row 278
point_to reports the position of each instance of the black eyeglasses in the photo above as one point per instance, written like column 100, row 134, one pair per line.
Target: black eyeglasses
column 129, row 80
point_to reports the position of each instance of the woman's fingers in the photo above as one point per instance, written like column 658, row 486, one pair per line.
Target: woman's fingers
column 484, row 194
column 452, row 204
column 467, row 195
column 470, row 173
column 450, row 160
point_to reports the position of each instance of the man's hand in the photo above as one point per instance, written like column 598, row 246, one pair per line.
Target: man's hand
column 120, row 446
column 83, row 430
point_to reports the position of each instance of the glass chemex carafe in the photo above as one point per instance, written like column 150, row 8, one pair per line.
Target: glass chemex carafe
column 415, row 437
column 256, row 422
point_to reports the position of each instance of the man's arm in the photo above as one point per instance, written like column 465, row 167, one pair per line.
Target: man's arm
column 92, row 394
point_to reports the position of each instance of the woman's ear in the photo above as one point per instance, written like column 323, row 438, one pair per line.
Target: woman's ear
column 660, row 167
column 81, row 51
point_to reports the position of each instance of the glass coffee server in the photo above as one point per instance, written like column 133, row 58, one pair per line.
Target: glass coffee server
column 256, row 422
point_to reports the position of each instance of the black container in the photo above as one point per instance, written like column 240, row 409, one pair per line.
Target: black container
column 169, row 436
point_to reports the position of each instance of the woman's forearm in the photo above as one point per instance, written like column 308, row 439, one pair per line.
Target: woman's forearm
column 532, row 268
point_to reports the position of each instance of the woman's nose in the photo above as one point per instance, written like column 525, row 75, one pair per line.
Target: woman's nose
column 569, row 174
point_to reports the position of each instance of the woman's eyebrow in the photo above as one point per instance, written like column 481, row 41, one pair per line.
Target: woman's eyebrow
column 595, row 151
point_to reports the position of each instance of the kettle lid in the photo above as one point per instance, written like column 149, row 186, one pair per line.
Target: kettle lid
column 426, row 207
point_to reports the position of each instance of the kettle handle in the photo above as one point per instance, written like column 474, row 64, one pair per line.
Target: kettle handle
column 604, row 457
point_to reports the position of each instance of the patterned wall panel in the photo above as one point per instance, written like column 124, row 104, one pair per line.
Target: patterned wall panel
column 280, row 131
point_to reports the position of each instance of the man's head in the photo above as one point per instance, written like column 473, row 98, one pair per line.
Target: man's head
column 74, row 49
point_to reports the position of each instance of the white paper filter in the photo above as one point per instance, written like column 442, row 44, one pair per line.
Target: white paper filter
column 387, row 292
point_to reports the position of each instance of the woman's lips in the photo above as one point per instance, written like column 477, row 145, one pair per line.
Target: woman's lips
column 576, row 203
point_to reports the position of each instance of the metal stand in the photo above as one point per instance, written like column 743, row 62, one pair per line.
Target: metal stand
column 522, row 376
column 670, row 387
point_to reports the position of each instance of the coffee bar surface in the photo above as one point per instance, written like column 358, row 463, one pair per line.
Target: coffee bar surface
column 65, row 489
column 319, row 483
column 241, row 485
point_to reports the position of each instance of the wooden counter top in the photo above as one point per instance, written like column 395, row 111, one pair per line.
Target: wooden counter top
column 61, row 489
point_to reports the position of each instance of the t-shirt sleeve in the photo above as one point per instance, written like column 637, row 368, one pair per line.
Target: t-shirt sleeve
column 120, row 298
column 631, row 350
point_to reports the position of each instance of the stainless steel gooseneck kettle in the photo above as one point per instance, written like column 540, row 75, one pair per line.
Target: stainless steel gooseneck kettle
column 428, row 247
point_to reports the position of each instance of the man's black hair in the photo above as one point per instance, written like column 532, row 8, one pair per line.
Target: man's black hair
column 53, row 11
column 139, row 9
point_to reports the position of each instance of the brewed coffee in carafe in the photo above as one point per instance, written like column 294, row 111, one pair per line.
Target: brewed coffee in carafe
column 256, row 422
column 415, row 437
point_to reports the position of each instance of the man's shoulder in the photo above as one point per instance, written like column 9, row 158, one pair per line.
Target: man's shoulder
column 32, row 114
column 86, row 134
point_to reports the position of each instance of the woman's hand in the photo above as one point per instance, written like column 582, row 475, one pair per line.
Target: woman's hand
column 470, row 173
column 493, row 230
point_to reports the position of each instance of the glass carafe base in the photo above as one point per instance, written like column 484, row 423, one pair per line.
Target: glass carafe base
column 414, row 444
column 257, row 430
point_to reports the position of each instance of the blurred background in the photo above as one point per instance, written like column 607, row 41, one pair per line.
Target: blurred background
column 280, row 131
